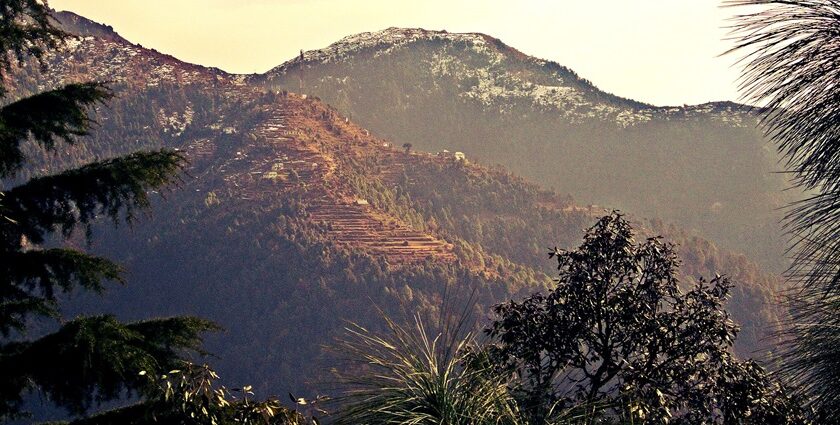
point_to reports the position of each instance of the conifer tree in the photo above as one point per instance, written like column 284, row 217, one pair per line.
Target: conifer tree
column 89, row 359
column 791, row 66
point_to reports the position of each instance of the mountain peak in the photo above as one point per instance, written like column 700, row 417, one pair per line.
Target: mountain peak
column 384, row 40
column 483, row 71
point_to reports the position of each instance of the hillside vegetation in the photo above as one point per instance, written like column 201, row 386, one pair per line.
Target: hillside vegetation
column 293, row 220
column 706, row 167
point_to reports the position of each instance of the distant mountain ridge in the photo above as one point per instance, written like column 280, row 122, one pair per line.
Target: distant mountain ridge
column 293, row 218
column 707, row 167
column 559, row 94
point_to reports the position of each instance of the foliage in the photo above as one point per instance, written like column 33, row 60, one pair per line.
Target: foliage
column 190, row 395
column 501, row 222
column 89, row 359
column 112, row 188
column 812, row 357
column 93, row 359
column 790, row 62
column 790, row 68
column 262, row 266
column 412, row 376
column 49, row 116
column 617, row 329
column 489, row 216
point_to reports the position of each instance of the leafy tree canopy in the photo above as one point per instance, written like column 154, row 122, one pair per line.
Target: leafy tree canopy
column 618, row 330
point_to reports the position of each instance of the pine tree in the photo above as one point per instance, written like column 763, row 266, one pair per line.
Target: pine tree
column 89, row 359
column 791, row 66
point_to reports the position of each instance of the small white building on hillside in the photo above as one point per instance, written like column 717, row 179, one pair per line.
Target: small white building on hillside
column 457, row 156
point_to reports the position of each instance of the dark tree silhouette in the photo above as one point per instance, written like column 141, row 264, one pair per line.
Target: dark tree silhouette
column 792, row 68
column 89, row 359
column 618, row 331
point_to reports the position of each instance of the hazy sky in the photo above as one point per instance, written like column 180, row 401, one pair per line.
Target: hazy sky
column 656, row 51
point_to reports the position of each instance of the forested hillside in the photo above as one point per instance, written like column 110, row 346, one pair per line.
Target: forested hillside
column 706, row 167
column 292, row 220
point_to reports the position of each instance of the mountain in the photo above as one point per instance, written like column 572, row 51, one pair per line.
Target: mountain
column 705, row 167
column 293, row 220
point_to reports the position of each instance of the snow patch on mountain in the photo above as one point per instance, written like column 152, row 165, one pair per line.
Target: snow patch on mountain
column 489, row 73
column 488, row 82
column 72, row 43
column 174, row 122
column 478, row 65
column 386, row 41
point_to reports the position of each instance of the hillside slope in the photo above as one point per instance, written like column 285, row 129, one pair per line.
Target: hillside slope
column 293, row 220
column 705, row 167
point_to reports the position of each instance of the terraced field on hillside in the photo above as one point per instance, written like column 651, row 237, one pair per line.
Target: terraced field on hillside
column 281, row 159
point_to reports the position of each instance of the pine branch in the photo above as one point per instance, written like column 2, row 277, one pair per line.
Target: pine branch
column 792, row 65
column 29, row 280
column 95, row 359
column 174, row 333
column 116, row 188
column 90, row 359
column 13, row 313
column 49, row 269
column 59, row 114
